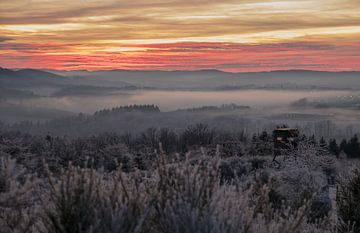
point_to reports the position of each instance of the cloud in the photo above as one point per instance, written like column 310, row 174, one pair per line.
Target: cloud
column 192, row 55
column 174, row 34
column 3, row 39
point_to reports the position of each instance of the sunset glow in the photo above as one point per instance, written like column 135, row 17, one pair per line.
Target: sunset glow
column 236, row 36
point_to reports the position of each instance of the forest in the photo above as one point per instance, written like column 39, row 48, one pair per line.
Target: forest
column 200, row 179
column 142, row 152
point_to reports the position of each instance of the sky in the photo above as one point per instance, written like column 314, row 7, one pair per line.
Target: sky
column 229, row 35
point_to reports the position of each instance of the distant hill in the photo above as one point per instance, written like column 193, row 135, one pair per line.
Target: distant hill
column 214, row 79
column 189, row 80
column 29, row 77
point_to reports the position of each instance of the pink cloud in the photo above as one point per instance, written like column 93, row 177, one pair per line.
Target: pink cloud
column 235, row 57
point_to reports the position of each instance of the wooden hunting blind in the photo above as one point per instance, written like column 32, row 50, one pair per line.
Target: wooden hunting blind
column 285, row 139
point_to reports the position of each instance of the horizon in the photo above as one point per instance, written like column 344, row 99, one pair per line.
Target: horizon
column 246, row 36
column 196, row 70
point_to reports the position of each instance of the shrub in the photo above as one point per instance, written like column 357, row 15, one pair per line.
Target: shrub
column 72, row 201
column 348, row 202
column 16, row 214
column 85, row 200
column 199, row 135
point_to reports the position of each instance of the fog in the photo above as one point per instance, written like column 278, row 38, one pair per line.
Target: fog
column 320, row 103
column 173, row 100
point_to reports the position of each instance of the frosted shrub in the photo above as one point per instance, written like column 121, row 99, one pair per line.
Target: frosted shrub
column 233, row 168
column 73, row 201
column 297, row 185
column 348, row 201
column 304, row 175
column 185, row 194
column 201, row 194
column 189, row 199
column 86, row 200
column 16, row 214
column 197, row 135
column 125, row 205
column 112, row 154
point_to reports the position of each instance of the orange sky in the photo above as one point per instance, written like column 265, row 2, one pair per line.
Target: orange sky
column 242, row 35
